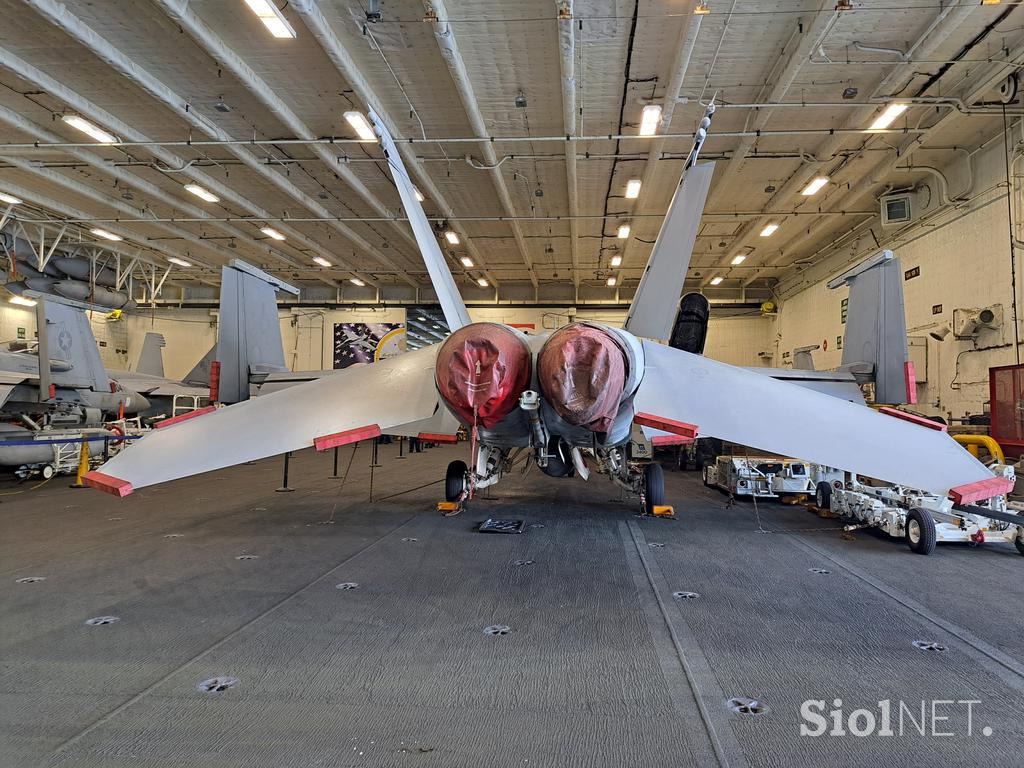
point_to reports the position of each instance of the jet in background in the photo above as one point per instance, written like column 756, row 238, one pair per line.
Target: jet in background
column 579, row 399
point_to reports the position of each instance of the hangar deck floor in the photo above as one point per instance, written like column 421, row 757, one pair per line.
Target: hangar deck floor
column 603, row 666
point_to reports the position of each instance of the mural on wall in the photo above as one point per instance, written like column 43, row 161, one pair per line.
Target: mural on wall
column 367, row 342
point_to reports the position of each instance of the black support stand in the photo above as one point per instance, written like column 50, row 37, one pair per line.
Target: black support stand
column 284, row 486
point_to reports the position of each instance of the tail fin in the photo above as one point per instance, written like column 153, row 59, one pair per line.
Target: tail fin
column 151, row 360
column 454, row 308
column 249, row 338
column 875, row 342
column 69, row 337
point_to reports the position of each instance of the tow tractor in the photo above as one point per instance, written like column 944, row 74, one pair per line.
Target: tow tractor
column 921, row 519
column 766, row 477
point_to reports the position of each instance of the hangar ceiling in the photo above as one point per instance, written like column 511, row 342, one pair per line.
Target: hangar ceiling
column 520, row 123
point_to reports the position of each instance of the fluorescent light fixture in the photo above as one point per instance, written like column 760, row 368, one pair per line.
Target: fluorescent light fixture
column 271, row 232
column 360, row 125
column 88, row 128
column 202, row 193
column 451, row 237
column 23, row 301
column 467, row 262
column 322, row 261
column 738, row 259
column 356, row 281
column 633, row 189
column 702, row 8
column 815, row 186
column 649, row 119
column 888, row 117
column 10, row 199
column 623, row 232
column 990, row 2
column 616, row 261
column 422, row 319
column 716, row 280
column 769, row 230
column 610, row 281
column 482, row 282
column 272, row 18
column 419, row 195
column 106, row 235
column 179, row 262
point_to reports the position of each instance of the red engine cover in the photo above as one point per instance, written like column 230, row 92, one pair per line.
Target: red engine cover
column 481, row 371
column 582, row 372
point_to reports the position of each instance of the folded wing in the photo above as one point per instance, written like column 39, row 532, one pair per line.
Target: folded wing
column 750, row 409
column 381, row 397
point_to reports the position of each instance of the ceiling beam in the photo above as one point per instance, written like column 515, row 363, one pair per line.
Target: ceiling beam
column 445, row 36
column 567, row 64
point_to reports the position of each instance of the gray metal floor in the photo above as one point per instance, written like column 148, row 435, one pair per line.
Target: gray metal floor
column 602, row 667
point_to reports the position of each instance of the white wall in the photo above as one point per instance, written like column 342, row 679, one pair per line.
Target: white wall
column 964, row 258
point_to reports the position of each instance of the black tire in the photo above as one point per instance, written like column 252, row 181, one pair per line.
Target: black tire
column 920, row 533
column 823, row 496
column 1019, row 543
column 654, row 487
column 455, row 480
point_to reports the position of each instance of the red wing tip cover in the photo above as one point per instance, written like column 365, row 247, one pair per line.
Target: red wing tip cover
column 680, row 428
column 112, row 485
column 185, row 416
column 659, row 440
column 434, row 437
column 913, row 418
column 983, row 489
column 348, row 436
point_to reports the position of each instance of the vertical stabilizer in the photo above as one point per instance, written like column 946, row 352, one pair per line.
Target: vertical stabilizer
column 69, row 338
column 448, row 296
column 249, row 337
column 151, row 359
column 876, row 326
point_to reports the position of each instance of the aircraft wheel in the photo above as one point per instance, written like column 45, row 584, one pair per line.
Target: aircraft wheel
column 823, row 496
column 654, row 487
column 47, row 471
column 455, row 482
column 920, row 533
column 1019, row 542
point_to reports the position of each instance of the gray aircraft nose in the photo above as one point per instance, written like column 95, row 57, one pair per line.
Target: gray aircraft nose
column 134, row 402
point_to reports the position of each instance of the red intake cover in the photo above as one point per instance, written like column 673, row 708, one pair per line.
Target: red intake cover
column 482, row 369
column 582, row 372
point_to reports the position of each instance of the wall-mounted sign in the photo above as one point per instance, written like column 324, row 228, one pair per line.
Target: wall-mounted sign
column 843, row 307
column 911, row 273
column 936, row 309
column 21, row 333
column 839, row 342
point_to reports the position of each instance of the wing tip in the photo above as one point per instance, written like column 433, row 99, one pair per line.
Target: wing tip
column 327, row 442
column 438, row 437
column 981, row 489
column 115, row 486
column 184, row 416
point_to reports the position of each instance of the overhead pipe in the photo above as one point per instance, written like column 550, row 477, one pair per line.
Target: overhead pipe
column 445, row 37
column 341, row 57
column 58, row 15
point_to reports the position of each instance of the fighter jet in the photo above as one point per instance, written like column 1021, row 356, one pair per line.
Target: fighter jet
column 581, row 400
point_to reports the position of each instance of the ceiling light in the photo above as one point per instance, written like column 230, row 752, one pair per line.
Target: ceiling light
column 451, row 237
column 815, row 186
column 702, row 8
column 616, row 261
column 272, row 18
column 202, row 193
column 649, row 119
column 25, row 302
column 360, row 125
column 179, row 262
column 888, row 117
column 633, row 189
column 271, row 232
column 623, row 232
column 610, row 281
column 106, row 235
column 419, row 195
column 10, row 199
column 322, row 261
column 716, row 280
column 482, row 282
column 990, row 2
column 769, row 230
column 356, row 281
column 88, row 128
column 739, row 259
column 466, row 262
